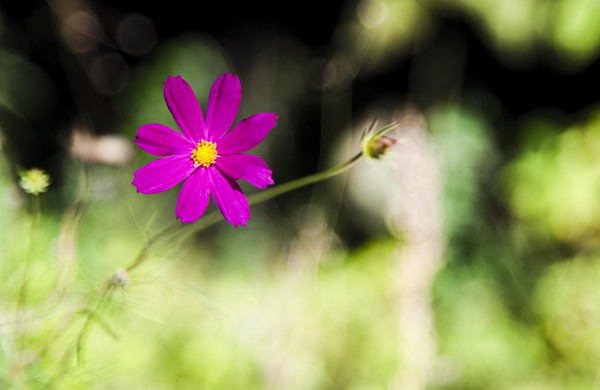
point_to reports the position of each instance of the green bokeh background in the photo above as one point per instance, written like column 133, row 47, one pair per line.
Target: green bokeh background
column 307, row 295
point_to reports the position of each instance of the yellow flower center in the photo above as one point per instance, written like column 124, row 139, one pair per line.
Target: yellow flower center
column 204, row 154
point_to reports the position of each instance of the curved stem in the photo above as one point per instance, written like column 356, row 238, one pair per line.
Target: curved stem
column 303, row 181
column 29, row 257
column 152, row 241
column 92, row 315
column 183, row 231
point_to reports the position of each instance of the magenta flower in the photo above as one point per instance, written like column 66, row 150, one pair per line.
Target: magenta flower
column 208, row 156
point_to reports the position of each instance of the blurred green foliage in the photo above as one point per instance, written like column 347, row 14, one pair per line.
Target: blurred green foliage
column 554, row 185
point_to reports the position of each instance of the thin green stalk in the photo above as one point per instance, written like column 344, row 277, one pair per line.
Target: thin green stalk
column 91, row 316
column 35, row 222
column 141, row 256
column 303, row 181
column 182, row 231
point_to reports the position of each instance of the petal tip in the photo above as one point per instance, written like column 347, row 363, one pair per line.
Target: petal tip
column 171, row 77
column 242, row 222
column 174, row 79
column 184, row 219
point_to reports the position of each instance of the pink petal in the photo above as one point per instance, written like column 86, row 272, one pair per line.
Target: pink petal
column 246, row 167
column 185, row 108
column 159, row 140
column 223, row 105
column 229, row 198
column 247, row 134
column 194, row 197
column 162, row 174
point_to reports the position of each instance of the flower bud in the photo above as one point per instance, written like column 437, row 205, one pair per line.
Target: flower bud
column 375, row 144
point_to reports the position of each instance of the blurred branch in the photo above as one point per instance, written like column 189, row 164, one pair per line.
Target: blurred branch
column 416, row 217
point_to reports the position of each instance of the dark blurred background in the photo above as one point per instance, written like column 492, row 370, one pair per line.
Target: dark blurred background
column 522, row 82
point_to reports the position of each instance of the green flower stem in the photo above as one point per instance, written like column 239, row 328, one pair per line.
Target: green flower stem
column 181, row 232
column 91, row 316
column 35, row 222
column 303, row 181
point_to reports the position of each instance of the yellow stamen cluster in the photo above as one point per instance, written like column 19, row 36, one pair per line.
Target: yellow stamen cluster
column 204, row 154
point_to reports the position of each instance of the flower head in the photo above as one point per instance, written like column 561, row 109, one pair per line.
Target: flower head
column 208, row 157
column 34, row 181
